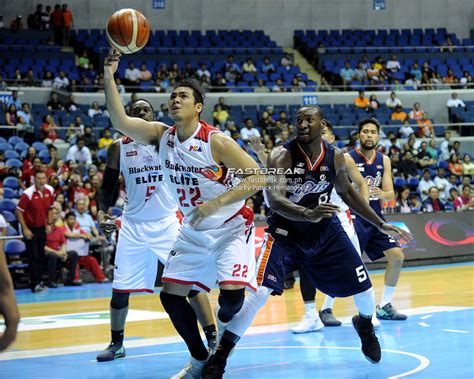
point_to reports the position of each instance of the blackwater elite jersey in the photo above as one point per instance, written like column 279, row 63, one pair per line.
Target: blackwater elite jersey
column 372, row 171
column 194, row 177
column 147, row 195
column 308, row 184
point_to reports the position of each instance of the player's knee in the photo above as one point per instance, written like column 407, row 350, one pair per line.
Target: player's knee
column 192, row 294
column 259, row 298
column 396, row 257
column 231, row 301
column 172, row 304
column 119, row 300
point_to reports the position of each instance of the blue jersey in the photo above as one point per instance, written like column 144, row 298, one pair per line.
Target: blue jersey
column 372, row 171
column 307, row 185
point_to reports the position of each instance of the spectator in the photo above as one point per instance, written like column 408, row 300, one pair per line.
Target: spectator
column 416, row 113
column 49, row 130
column 448, row 45
column 86, row 222
column 54, row 158
column 455, row 102
column 283, row 137
column 286, row 61
column 14, row 100
column 145, row 74
column 94, row 110
column 230, row 64
column 415, row 203
column 219, row 83
column 411, row 83
column 78, row 241
column 47, row 80
column 399, row 114
column 426, row 126
column 362, row 101
column 90, row 140
column 454, row 165
column 465, row 201
column 346, row 74
column 466, row 80
column 61, row 81
column 453, row 179
column 71, row 104
column 46, row 18
column 466, row 179
column 17, row 23
column 373, row 73
column 77, row 191
column 442, row 184
column 373, row 102
column 121, row 88
column 432, row 150
column 432, row 202
column 445, row 147
column 393, row 101
column 106, row 139
column 424, row 159
column 132, row 75
column 402, row 204
column 261, row 87
column 359, row 73
column 231, row 75
column 220, row 115
column 27, row 177
column 267, row 66
column 54, row 104
column 415, row 72
column 32, row 214
column 55, row 248
column 249, row 67
column 57, row 22
column 25, row 112
column 28, row 161
column 450, row 78
column 425, row 184
column 295, row 87
column 393, row 65
column 25, row 130
column 278, row 87
column 407, row 167
column 11, row 116
column 249, row 130
column 68, row 22
column 75, row 130
column 467, row 165
column 84, row 61
column 79, row 153
column 203, row 71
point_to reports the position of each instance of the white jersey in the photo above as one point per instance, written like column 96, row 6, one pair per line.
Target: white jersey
column 147, row 195
column 194, row 177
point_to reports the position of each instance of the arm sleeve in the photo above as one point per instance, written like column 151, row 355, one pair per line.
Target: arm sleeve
column 106, row 192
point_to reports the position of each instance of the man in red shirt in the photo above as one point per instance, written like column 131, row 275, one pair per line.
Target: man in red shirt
column 32, row 213
column 67, row 23
column 56, row 253
column 28, row 175
column 57, row 22
column 465, row 201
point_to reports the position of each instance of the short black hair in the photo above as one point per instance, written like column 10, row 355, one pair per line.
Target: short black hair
column 69, row 214
column 198, row 93
column 466, row 185
column 371, row 120
column 329, row 126
column 146, row 101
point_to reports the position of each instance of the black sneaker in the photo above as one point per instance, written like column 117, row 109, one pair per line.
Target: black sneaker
column 214, row 368
column 328, row 318
column 388, row 312
column 370, row 342
column 111, row 352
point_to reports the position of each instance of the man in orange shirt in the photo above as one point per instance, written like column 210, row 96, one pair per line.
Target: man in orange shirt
column 399, row 114
column 67, row 23
column 361, row 101
column 426, row 126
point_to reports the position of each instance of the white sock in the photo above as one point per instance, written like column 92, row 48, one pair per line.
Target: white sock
column 328, row 302
column 310, row 309
column 387, row 295
column 365, row 302
column 252, row 304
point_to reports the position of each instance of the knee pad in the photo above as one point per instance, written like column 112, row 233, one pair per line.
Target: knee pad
column 119, row 300
column 231, row 301
column 192, row 294
column 172, row 303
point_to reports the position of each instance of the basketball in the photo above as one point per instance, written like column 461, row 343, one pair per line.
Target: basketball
column 127, row 30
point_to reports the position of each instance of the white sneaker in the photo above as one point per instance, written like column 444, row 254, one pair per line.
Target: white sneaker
column 308, row 324
column 192, row 370
column 375, row 322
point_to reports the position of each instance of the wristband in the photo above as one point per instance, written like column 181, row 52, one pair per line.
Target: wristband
column 381, row 224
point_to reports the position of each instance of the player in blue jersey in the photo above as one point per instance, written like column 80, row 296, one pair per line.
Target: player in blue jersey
column 305, row 233
column 376, row 168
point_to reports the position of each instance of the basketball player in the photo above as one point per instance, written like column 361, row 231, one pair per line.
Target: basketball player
column 149, row 229
column 8, row 307
column 311, row 322
column 216, row 240
column 376, row 168
column 305, row 233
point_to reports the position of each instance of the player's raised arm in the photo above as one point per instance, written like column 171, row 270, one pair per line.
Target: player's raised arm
column 259, row 148
column 229, row 153
column 356, row 177
column 356, row 202
column 140, row 130
column 277, row 188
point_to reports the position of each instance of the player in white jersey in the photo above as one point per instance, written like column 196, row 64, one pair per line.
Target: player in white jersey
column 149, row 228
column 215, row 243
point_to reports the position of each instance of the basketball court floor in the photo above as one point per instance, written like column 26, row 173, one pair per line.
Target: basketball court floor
column 62, row 331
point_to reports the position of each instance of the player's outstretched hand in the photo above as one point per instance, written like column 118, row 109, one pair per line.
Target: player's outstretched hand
column 106, row 222
column 396, row 232
column 202, row 211
column 324, row 210
column 111, row 62
column 256, row 144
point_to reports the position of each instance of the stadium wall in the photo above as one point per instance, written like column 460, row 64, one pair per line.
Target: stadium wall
column 279, row 18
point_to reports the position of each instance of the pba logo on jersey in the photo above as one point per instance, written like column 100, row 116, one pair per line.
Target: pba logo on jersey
column 212, row 172
column 195, row 148
column 131, row 153
column 324, row 168
column 301, row 190
column 374, row 182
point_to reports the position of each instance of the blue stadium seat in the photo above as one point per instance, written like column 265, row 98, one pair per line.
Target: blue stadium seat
column 11, row 154
column 21, row 146
column 5, row 146
column 7, row 205
column 14, row 247
column 8, row 193
column 44, row 155
column 116, row 211
column 413, row 183
column 11, row 231
column 13, row 163
column 13, row 140
column 11, row 182
column 39, row 146
column 400, row 182
column 9, row 216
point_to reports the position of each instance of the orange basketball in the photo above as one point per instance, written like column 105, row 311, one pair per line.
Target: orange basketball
column 127, row 30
